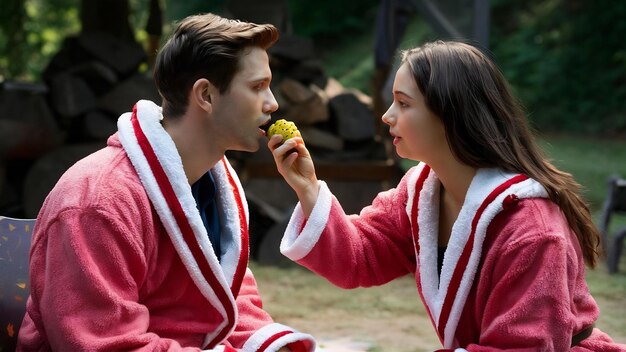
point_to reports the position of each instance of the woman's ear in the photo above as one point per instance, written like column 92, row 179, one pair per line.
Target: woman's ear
column 201, row 93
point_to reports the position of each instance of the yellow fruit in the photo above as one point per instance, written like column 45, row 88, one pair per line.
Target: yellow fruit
column 285, row 128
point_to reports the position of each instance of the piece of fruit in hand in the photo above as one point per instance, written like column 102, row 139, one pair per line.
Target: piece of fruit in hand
column 285, row 128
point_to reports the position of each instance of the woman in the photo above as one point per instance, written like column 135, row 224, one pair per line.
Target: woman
column 496, row 236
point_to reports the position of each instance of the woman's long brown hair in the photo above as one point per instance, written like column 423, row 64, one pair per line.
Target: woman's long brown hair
column 486, row 126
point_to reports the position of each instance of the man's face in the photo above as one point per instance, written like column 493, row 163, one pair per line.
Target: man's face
column 247, row 104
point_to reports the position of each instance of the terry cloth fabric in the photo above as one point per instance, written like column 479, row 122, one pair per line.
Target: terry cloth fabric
column 512, row 276
column 156, row 160
column 489, row 193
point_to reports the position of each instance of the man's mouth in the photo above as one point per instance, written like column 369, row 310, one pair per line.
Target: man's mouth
column 266, row 125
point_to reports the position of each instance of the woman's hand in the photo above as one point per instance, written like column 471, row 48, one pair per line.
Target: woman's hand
column 294, row 163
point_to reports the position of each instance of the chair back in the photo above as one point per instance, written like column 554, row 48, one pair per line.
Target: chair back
column 615, row 203
column 15, row 236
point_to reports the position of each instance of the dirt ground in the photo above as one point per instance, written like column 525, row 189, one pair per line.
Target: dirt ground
column 389, row 318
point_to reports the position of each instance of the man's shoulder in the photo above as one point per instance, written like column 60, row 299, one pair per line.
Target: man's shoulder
column 103, row 178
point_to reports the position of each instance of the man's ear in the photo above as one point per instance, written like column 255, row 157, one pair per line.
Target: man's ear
column 201, row 94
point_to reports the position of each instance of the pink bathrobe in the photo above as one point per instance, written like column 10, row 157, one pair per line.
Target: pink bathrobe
column 513, row 276
column 121, row 260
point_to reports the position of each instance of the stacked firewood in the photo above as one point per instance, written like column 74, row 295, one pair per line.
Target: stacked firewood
column 336, row 122
column 93, row 79
column 45, row 127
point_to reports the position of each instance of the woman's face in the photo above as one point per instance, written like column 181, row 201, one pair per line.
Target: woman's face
column 418, row 134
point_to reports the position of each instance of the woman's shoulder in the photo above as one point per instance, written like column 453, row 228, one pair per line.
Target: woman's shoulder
column 531, row 219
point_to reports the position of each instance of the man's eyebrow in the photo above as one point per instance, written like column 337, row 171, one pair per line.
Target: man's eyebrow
column 261, row 79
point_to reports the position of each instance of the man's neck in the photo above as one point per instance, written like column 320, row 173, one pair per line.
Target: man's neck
column 197, row 150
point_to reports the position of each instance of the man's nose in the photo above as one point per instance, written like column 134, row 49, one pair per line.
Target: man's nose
column 271, row 104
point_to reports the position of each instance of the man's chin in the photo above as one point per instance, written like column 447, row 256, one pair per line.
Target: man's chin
column 248, row 149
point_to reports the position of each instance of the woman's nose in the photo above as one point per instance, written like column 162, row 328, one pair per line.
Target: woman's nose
column 387, row 117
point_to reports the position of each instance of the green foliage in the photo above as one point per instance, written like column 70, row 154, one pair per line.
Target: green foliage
column 341, row 64
column 175, row 10
column 566, row 60
column 332, row 21
column 10, row 21
column 31, row 32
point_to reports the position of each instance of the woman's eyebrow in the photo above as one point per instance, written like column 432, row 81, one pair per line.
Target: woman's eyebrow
column 399, row 92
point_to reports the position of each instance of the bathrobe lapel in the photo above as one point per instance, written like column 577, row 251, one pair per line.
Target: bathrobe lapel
column 490, row 192
column 159, row 166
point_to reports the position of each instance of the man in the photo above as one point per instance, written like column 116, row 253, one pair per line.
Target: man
column 143, row 245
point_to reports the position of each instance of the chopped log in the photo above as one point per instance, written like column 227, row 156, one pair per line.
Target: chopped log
column 293, row 49
column 99, row 125
column 45, row 173
column 71, row 96
column 123, row 56
column 275, row 12
column 317, row 138
column 333, row 88
column 9, row 196
column 295, row 91
column 70, row 55
column 355, row 121
column 305, row 106
column 27, row 125
column 99, row 77
column 363, row 98
column 309, row 72
column 123, row 97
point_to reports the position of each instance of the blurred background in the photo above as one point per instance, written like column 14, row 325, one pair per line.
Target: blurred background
column 69, row 68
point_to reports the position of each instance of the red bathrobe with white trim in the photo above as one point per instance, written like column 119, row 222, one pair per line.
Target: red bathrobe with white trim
column 512, row 276
column 120, row 258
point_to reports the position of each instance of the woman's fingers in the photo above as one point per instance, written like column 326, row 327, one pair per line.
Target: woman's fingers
column 274, row 141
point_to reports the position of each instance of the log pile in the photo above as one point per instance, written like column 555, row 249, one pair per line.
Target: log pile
column 336, row 122
column 46, row 127
column 93, row 79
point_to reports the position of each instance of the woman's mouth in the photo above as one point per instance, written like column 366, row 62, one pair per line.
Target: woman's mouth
column 396, row 139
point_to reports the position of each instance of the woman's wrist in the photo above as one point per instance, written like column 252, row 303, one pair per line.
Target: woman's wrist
column 308, row 197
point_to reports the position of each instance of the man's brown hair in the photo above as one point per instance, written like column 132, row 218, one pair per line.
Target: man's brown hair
column 205, row 46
